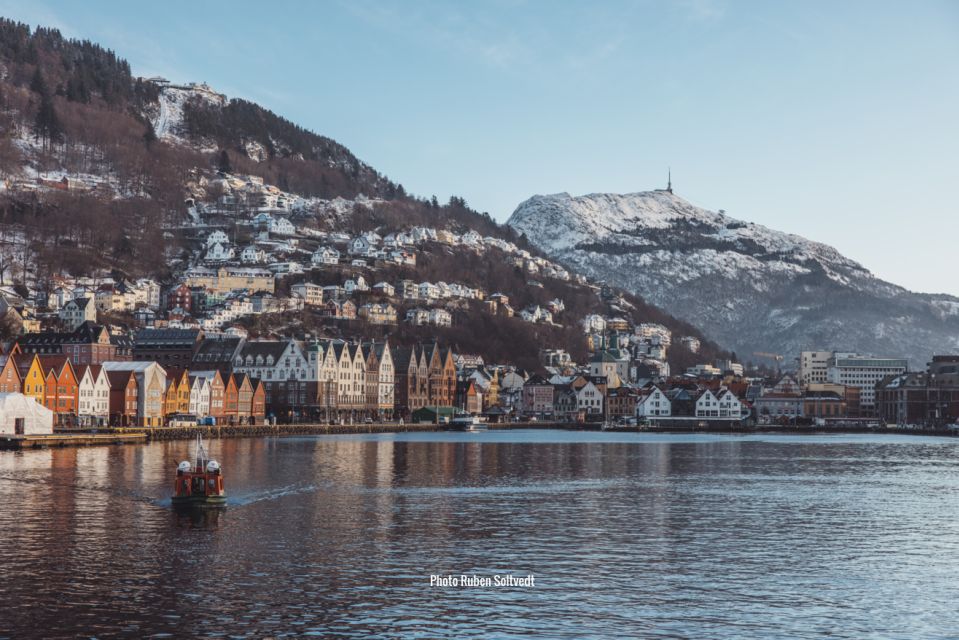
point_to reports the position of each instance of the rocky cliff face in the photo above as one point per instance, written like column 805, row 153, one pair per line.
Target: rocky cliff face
column 749, row 287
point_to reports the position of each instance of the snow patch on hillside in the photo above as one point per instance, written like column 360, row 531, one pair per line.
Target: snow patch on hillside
column 168, row 119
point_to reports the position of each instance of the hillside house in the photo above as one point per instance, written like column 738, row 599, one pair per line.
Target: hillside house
column 378, row 313
column 384, row 289
column 219, row 252
column 77, row 311
column 325, row 256
column 281, row 227
column 357, row 283
column 418, row 317
column 217, row 237
column 440, row 318
column 312, row 294
column 252, row 255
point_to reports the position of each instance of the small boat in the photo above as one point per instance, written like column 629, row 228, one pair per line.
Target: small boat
column 468, row 423
column 199, row 484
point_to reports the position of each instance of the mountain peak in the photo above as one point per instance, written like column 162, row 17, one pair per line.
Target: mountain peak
column 751, row 287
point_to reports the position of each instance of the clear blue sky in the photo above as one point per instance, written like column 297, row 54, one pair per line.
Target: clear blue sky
column 834, row 120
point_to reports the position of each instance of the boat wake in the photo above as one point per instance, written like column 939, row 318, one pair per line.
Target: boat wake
column 271, row 494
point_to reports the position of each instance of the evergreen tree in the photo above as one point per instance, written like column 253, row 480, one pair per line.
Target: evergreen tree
column 150, row 135
column 38, row 84
column 224, row 162
column 47, row 125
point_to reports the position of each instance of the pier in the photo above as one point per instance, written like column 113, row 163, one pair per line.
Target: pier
column 45, row 441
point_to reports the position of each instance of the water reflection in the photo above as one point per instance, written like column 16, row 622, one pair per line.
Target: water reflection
column 635, row 536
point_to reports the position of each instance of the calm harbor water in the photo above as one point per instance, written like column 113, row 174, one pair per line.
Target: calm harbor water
column 627, row 535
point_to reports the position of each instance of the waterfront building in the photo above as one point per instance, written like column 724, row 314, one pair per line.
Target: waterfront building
column 214, row 379
column 813, row 366
column 60, row 388
column 93, row 395
column 32, row 376
column 10, row 375
column 171, row 348
column 863, row 372
column 653, row 403
column 822, row 404
column 123, row 398
column 199, row 396
column 151, row 386
column 921, row 398
column 589, row 397
column 537, row 397
column 621, row 402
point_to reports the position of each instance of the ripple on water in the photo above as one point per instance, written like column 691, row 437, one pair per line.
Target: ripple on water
column 628, row 536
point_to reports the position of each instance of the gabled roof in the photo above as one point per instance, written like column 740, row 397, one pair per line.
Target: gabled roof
column 56, row 363
column 87, row 333
column 402, row 357
column 120, row 379
column 216, row 350
column 81, row 303
column 537, row 379
column 338, row 346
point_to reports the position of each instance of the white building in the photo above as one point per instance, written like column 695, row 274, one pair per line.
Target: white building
column 219, row 252
column 705, row 370
column 355, row 284
column 77, row 311
column 418, row 317
column 217, row 237
column 813, row 367
column 594, row 323
column 199, row 396
column 282, row 227
column 93, row 395
column 536, row 313
column 722, row 406
column 312, row 294
column 440, row 318
column 360, row 246
column 252, row 255
column 384, row 289
column 654, row 404
column 428, row 291
column 589, row 399
column 863, row 372
column 325, row 256
column 21, row 415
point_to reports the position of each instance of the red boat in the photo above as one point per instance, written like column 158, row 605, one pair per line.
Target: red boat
column 199, row 484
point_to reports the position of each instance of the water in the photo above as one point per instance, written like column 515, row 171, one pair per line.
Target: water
column 627, row 535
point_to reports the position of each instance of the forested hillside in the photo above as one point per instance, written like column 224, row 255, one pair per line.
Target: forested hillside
column 97, row 167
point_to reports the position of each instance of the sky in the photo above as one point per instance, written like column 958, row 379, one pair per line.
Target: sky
column 838, row 121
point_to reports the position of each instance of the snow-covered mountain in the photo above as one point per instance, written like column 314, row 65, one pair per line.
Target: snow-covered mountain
column 749, row 287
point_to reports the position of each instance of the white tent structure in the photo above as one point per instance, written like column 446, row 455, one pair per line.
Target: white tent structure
column 20, row 415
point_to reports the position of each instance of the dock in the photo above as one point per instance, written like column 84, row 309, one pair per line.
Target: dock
column 19, row 443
